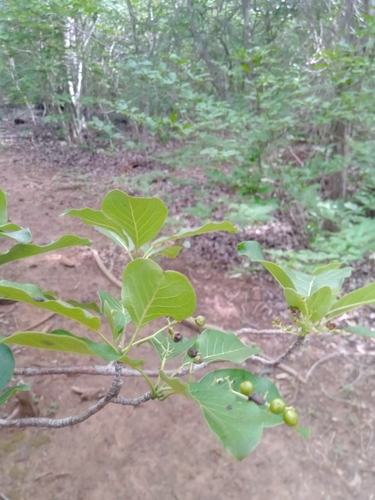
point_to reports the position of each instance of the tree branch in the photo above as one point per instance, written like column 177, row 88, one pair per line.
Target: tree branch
column 57, row 423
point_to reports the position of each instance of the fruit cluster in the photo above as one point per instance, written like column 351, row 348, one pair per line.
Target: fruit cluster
column 277, row 406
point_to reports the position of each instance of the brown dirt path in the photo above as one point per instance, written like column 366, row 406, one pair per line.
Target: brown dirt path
column 164, row 450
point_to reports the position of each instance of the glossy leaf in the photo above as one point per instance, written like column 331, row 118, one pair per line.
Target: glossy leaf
column 140, row 218
column 31, row 294
column 21, row 251
column 6, row 366
column 253, row 251
column 62, row 341
column 98, row 219
column 167, row 348
column 206, row 228
column 319, row 303
column 149, row 293
column 362, row 296
column 215, row 345
column 7, row 394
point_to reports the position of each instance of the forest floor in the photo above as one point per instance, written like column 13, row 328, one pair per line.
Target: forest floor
column 164, row 450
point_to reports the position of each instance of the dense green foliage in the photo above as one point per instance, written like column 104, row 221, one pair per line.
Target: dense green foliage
column 276, row 96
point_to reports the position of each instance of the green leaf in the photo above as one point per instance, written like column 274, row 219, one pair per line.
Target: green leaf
column 149, row 293
column 327, row 267
column 62, row 341
column 98, row 219
column 87, row 306
column 3, row 208
column 319, row 303
column 6, row 395
column 140, row 218
column 307, row 284
column 253, row 251
column 206, row 228
column 31, row 294
column 14, row 232
column 176, row 384
column 236, row 422
column 360, row 330
column 171, row 252
column 167, row 349
column 295, row 300
column 358, row 298
column 215, row 345
column 6, row 366
column 117, row 316
column 21, row 251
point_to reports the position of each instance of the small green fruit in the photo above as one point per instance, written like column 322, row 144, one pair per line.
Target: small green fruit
column 291, row 417
column 246, row 387
column 200, row 320
column 277, row 406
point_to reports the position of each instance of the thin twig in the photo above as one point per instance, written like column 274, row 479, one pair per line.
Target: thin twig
column 39, row 322
column 337, row 400
column 58, row 423
column 320, row 361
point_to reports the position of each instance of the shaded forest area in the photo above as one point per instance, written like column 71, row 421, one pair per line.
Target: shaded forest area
column 272, row 100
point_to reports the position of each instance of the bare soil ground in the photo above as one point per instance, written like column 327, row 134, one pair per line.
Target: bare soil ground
column 164, row 450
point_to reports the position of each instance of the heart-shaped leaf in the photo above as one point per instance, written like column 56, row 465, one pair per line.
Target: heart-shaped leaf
column 21, row 251
column 31, row 294
column 149, row 293
column 6, row 366
column 140, row 218
column 214, row 345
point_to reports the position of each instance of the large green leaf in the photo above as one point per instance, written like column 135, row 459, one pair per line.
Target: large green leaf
column 3, row 208
column 171, row 251
column 206, row 228
column 62, row 341
column 167, row 348
column 98, row 219
column 253, row 251
column 6, row 395
column 140, row 218
column 116, row 314
column 6, row 366
column 319, row 303
column 215, row 345
column 21, row 251
column 14, row 232
column 362, row 296
column 236, row 422
column 31, row 294
column 148, row 293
